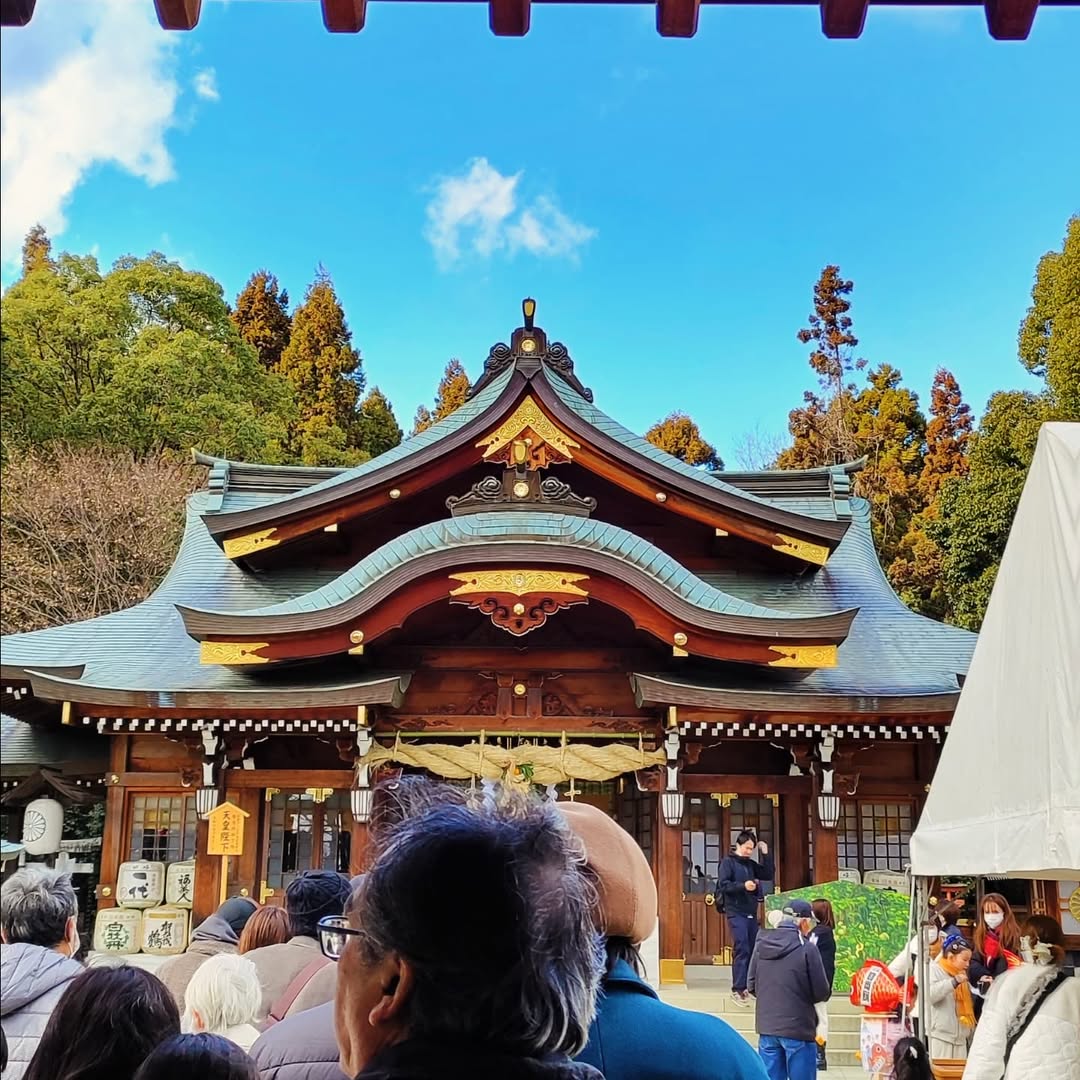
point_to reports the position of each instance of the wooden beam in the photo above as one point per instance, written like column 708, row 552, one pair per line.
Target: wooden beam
column 207, row 877
column 669, row 881
column 794, row 836
column 509, row 18
column 843, row 18
column 238, row 779
column 344, row 16
column 150, row 780
column 826, row 856
column 1010, row 20
column 112, row 840
column 178, row 14
column 16, row 12
column 677, row 18
column 747, row 784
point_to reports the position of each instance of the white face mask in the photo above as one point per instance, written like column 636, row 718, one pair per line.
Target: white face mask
column 994, row 920
column 932, row 934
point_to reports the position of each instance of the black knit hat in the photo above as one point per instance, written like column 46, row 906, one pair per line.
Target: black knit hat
column 236, row 911
column 312, row 896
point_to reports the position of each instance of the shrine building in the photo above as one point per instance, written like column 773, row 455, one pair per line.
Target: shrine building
column 525, row 591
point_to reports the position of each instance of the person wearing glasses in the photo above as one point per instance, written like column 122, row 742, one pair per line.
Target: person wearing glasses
column 469, row 952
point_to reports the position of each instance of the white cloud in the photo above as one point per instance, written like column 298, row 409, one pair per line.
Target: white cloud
column 476, row 212
column 205, row 85
column 82, row 85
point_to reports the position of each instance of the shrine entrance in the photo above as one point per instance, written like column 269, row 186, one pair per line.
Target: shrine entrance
column 303, row 829
column 709, row 829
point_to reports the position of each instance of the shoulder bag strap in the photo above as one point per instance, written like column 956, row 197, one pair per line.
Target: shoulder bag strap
column 280, row 1008
column 1050, row 987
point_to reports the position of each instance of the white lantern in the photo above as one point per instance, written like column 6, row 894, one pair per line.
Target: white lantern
column 118, row 931
column 43, row 827
column 180, row 884
column 164, row 931
column 140, row 884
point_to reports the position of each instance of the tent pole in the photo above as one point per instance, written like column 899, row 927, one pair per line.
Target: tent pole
column 922, row 953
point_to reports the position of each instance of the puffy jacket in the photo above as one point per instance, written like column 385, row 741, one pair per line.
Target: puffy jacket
column 32, row 981
column 1050, row 1047
column 735, row 872
column 301, row 1047
column 213, row 936
column 787, row 978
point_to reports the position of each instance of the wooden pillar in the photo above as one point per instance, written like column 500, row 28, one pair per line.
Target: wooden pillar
column 207, row 877
column 669, row 879
column 244, row 869
column 794, row 835
column 358, row 851
column 826, row 859
column 113, row 841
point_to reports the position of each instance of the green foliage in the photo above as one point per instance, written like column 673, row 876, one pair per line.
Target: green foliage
column 1049, row 344
column 262, row 318
column 380, row 430
column 324, row 371
column 422, row 420
column 680, row 436
column 871, row 924
column 452, row 393
column 36, row 250
column 976, row 511
column 144, row 356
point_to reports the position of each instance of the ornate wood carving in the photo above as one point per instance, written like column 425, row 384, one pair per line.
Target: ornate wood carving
column 528, row 439
column 232, row 652
column 237, row 547
column 803, row 656
column 520, row 489
column 518, row 600
column 817, row 554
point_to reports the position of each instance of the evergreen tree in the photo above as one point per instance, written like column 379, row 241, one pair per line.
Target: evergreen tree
column 916, row 572
column 453, row 390
column 680, row 436
column 324, row 371
column 379, row 427
column 36, row 250
column 1049, row 343
column 261, row 316
column 422, row 420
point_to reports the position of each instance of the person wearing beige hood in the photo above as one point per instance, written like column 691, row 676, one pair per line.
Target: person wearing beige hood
column 635, row 1036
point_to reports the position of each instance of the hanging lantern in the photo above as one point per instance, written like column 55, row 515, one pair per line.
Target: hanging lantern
column 362, row 803
column 828, row 810
column 673, row 803
column 206, row 799
column 43, row 826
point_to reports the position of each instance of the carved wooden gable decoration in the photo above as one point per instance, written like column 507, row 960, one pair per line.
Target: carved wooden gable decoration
column 518, row 600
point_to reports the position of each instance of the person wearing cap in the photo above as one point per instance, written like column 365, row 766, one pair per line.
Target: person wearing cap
column 635, row 1036
column 286, row 970
column 216, row 934
column 787, row 979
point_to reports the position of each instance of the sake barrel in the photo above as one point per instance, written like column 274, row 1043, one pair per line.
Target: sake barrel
column 118, row 931
column 140, row 884
column 164, row 930
column 180, row 884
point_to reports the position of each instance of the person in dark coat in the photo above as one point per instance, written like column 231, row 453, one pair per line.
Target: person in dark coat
column 623, row 1041
column 492, row 977
column 302, row 1047
column 739, row 885
column 787, row 978
column 825, row 940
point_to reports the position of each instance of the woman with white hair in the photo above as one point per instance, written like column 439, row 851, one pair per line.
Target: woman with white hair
column 223, row 999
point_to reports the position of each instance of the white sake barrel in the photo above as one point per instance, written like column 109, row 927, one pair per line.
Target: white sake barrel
column 180, row 884
column 43, row 827
column 164, row 930
column 118, row 931
column 140, row 884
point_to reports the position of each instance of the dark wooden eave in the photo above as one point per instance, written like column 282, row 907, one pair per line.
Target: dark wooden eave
column 49, row 782
column 1007, row 20
column 723, row 507
column 661, row 689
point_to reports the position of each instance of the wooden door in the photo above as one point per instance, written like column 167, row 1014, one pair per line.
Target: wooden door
column 303, row 829
column 711, row 825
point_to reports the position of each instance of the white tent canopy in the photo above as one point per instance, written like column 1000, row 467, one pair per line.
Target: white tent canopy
column 1005, row 799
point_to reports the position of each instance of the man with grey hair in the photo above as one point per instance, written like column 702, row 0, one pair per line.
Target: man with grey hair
column 469, row 952
column 39, row 938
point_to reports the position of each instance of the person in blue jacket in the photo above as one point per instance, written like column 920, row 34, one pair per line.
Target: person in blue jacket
column 635, row 1035
column 739, row 884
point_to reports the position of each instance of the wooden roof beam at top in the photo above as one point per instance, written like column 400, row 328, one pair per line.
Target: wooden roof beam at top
column 843, row 19
column 344, row 16
column 1010, row 20
column 677, row 18
column 509, row 18
column 178, row 14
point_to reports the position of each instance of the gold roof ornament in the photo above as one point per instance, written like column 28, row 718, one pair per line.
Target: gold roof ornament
column 532, row 435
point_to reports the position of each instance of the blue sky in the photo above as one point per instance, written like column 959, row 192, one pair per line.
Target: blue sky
column 669, row 203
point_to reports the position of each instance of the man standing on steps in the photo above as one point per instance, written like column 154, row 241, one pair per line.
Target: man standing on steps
column 787, row 977
column 739, row 889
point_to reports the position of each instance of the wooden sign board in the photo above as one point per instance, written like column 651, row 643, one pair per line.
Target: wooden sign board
column 226, row 830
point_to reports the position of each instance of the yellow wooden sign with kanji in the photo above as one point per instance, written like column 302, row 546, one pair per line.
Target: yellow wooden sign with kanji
column 226, row 830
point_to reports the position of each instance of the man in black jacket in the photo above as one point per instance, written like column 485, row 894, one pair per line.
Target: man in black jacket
column 787, row 977
column 739, row 884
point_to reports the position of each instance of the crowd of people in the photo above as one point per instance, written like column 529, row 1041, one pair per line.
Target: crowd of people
column 491, row 937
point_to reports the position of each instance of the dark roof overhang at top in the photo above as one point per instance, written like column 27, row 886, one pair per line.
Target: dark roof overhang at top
column 532, row 370
column 1007, row 20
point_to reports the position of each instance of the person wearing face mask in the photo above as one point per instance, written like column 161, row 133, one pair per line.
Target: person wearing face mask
column 40, row 937
column 740, row 888
column 905, row 965
column 997, row 941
